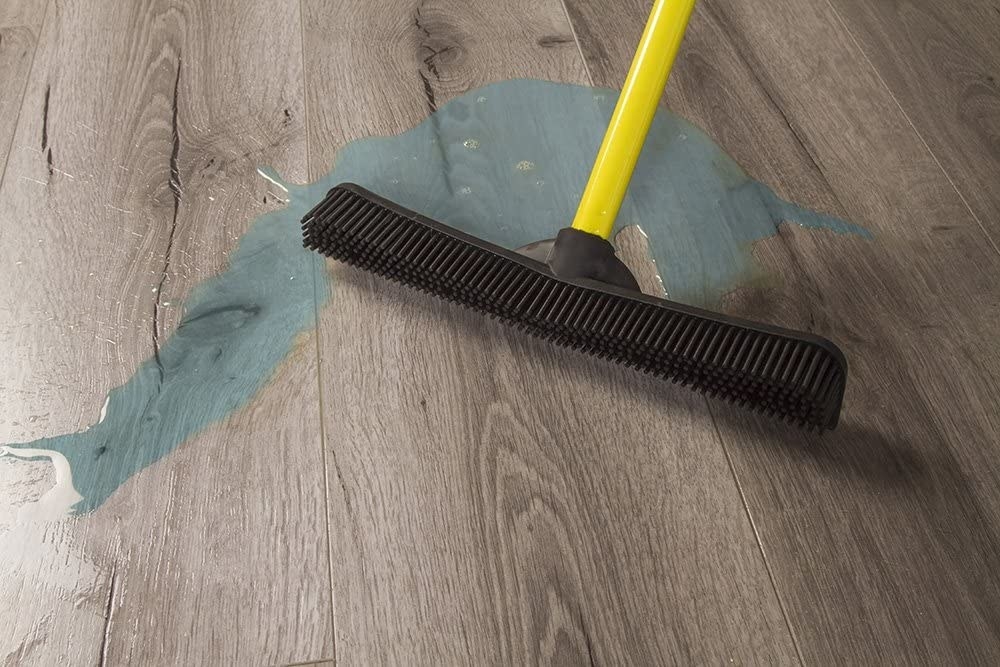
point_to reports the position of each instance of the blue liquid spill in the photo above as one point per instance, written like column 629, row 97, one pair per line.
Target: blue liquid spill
column 236, row 328
column 506, row 163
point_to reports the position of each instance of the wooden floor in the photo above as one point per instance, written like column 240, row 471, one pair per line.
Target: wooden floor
column 507, row 517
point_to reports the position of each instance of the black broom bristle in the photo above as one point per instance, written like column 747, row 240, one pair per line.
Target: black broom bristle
column 786, row 374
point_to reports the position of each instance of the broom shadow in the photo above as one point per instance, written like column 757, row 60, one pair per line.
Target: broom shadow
column 906, row 488
column 905, row 492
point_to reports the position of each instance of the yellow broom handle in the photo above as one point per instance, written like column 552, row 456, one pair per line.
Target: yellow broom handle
column 647, row 77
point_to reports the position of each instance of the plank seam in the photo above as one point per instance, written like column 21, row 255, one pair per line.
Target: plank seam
column 760, row 543
column 909, row 121
column 711, row 412
column 319, row 367
column 576, row 39
column 24, row 91
column 753, row 70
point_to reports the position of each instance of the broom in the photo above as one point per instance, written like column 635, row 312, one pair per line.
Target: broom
column 574, row 291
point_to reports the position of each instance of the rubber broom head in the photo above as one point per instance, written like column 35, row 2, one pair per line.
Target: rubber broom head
column 786, row 374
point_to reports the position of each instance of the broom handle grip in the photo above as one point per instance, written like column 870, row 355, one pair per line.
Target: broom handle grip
column 626, row 133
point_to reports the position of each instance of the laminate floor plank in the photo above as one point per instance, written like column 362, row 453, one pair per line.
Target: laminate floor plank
column 941, row 63
column 450, row 492
column 493, row 499
column 882, row 536
column 132, row 175
column 20, row 22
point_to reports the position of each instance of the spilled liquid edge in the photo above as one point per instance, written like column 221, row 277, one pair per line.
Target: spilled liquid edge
column 505, row 162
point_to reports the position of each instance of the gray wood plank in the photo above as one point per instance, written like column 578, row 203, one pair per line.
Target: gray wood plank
column 19, row 24
column 941, row 63
column 22, row 13
column 881, row 536
column 155, row 117
column 488, row 501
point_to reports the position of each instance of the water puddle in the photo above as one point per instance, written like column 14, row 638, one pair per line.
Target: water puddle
column 506, row 163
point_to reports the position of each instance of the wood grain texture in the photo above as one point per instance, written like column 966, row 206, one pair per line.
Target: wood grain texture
column 882, row 537
column 484, row 518
column 22, row 13
column 133, row 172
column 941, row 63
column 19, row 25
column 488, row 502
